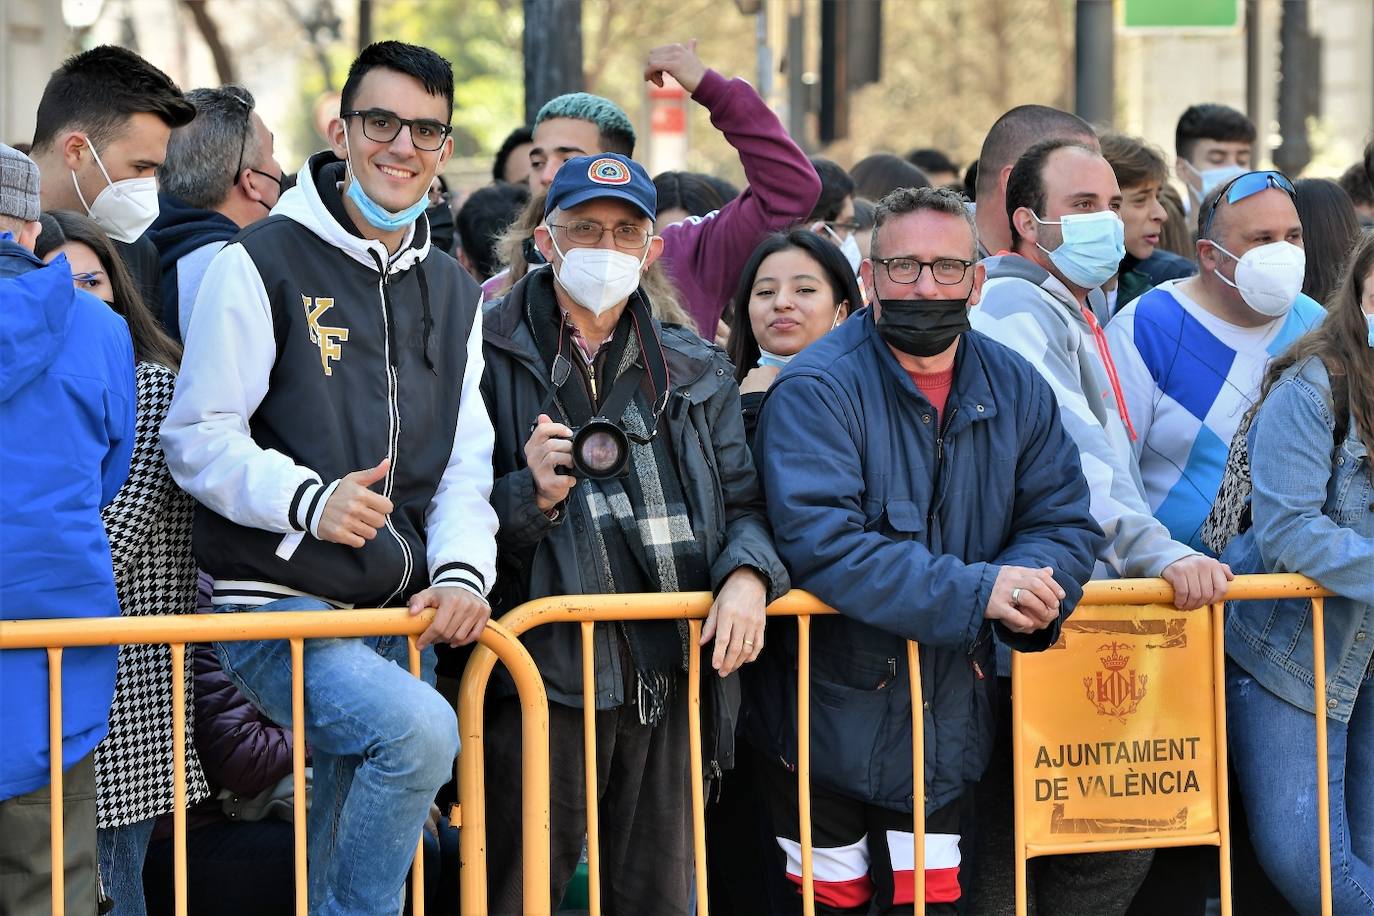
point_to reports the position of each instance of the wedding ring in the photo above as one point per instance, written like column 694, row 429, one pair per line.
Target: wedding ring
column 1016, row 597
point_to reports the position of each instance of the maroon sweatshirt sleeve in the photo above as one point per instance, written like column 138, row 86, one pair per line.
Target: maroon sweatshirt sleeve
column 705, row 256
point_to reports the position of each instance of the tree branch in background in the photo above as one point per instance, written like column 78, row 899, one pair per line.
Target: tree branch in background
column 209, row 31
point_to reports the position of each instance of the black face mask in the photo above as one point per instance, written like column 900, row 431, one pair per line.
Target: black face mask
column 922, row 327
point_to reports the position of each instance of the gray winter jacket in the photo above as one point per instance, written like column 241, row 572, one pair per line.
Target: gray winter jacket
column 538, row 557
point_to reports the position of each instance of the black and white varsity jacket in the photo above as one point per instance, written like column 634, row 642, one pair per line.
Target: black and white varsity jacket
column 313, row 353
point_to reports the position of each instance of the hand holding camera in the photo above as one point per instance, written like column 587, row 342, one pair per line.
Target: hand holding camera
column 548, row 449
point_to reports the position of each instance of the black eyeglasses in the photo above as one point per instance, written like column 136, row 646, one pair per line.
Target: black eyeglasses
column 946, row 271
column 243, row 143
column 382, row 126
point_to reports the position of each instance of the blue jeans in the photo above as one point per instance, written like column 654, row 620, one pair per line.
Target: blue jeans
column 121, row 851
column 1272, row 746
column 383, row 743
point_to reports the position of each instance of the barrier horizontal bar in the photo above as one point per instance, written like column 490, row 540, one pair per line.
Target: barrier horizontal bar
column 1037, row 850
column 1242, row 588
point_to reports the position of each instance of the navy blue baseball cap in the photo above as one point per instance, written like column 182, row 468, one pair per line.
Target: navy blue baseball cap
column 603, row 175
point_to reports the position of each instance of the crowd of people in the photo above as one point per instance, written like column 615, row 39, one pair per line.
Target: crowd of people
column 941, row 402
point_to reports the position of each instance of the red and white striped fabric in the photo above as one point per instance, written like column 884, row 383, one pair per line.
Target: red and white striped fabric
column 942, row 867
column 840, row 873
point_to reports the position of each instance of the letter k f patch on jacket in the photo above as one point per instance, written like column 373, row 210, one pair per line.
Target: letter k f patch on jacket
column 328, row 339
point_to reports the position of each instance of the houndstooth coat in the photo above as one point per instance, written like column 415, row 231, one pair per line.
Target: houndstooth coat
column 149, row 526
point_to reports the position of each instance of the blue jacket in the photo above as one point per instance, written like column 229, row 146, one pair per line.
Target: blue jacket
column 1313, row 511
column 904, row 534
column 67, row 403
column 187, row 239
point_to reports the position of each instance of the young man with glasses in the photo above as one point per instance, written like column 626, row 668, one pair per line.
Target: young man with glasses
column 220, row 176
column 620, row 466
column 329, row 420
column 1045, row 301
column 918, row 480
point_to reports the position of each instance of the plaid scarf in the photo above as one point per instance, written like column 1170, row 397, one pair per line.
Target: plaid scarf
column 641, row 527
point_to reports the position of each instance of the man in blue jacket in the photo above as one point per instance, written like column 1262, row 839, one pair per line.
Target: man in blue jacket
column 919, row 481
column 66, row 433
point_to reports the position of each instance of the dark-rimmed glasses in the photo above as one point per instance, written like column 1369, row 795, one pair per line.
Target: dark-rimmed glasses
column 382, row 126
column 906, row 271
column 589, row 232
column 1241, row 187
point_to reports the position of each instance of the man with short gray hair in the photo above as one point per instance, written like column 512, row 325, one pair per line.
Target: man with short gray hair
column 220, row 176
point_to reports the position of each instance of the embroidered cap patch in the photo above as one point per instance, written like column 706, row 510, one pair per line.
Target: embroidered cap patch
column 608, row 171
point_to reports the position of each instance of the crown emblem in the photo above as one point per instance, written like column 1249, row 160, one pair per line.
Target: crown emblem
column 1114, row 661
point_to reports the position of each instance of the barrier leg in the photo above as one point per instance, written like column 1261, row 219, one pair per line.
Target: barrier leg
column 417, row 869
column 1323, row 776
column 179, row 776
column 804, row 762
column 298, row 770
column 589, row 768
column 1218, row 612
column 58, row 848
column 694, row 748
column 918, row 777
column 1018, row 794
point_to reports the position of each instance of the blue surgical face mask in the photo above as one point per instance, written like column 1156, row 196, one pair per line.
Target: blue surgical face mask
column 377, row 215
column 1369, row 320
column 773, row 359
column 1211, row 178
column 1092, row 249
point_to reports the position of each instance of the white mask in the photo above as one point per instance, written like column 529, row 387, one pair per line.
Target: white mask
column 124, row 209
column 1269, row 277
column 849, row 248
column 598, row 279
column 1211, row 178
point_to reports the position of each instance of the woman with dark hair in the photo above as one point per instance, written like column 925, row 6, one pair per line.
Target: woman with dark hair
column 1330, row 229
column 149, row 528
column 1312, row 513
column 683, row 194
column 794, row 288
column 880, row 174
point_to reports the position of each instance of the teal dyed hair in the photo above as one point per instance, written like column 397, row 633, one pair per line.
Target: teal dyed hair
column 617, row 133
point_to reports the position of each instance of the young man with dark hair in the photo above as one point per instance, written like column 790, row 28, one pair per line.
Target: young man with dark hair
column 1045, row 301
column 1010, row 136
column 220, row 176
column 1214, row 143
column 511, row 163
column 102, row 130
column 833, row 214
column 1141, row 173
column 67, row 400
column 907, row 545
column 703, row 256
column 341, row 454
column 1357, row 183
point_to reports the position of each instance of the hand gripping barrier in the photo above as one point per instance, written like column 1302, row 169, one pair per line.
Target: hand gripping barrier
column 295, row 626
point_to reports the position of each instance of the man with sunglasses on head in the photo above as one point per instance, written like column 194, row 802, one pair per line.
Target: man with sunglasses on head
column 328, row 418
column 220, row 176
column 1045, row 301
column 620, row 466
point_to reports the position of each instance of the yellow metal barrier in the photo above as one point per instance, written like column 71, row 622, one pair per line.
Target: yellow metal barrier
column 587, row 611
column 1120, row 602
column 294, row 626
column 501, row 640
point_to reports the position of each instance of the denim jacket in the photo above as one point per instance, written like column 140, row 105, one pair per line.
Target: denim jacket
column 1313, row 509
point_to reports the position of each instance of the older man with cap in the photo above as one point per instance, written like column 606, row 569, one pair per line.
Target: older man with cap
column 620, row 466
column 66, row 433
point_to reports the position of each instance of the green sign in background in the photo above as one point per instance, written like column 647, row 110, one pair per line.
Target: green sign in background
column 1182, row 14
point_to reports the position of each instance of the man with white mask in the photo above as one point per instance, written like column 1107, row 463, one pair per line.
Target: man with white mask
column 1191, row 353
column 620, row 466
column 328, row 418
column 100, row 134
column 1044, row 300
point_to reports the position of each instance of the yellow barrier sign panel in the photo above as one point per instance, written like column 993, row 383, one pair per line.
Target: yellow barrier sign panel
column 1118, row 728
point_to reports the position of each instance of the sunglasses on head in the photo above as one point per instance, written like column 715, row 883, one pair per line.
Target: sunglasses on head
column 1243, row 186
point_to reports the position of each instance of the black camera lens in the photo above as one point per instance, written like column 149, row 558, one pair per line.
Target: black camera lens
column 600, row 451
